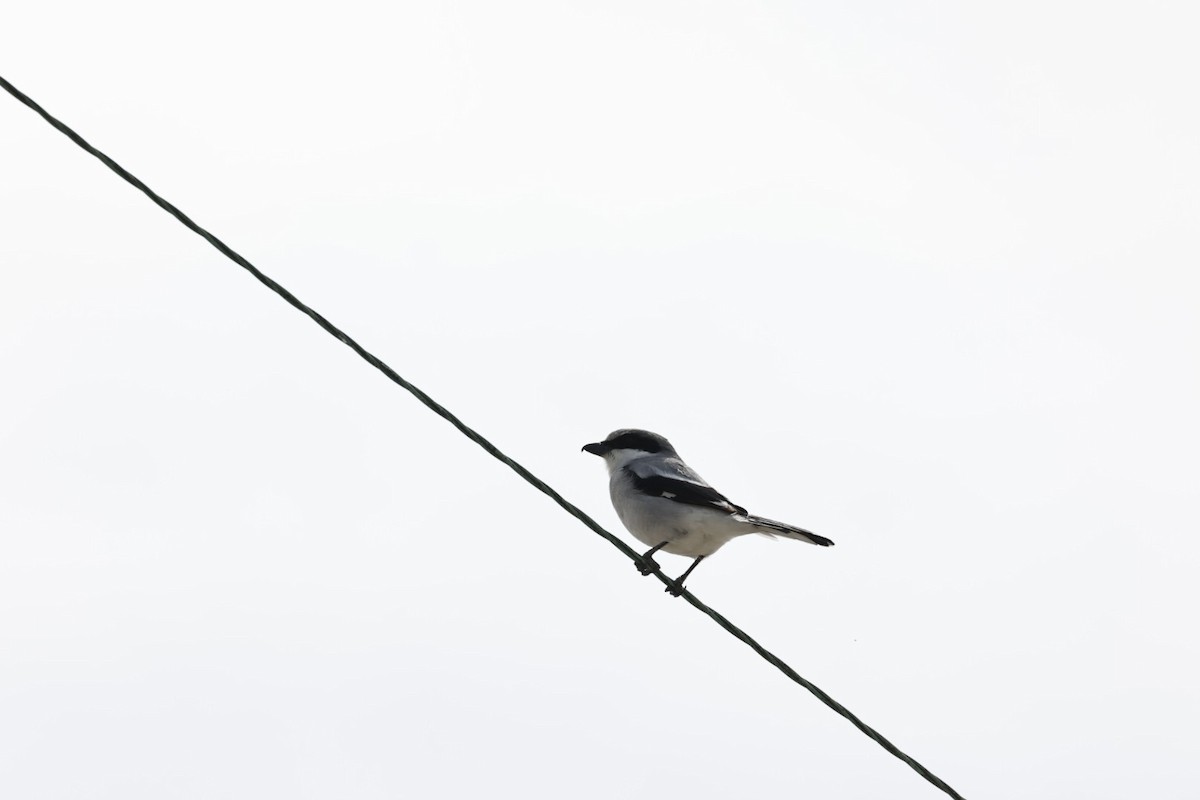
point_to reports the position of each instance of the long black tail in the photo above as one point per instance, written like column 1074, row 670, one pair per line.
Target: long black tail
column 773, row 528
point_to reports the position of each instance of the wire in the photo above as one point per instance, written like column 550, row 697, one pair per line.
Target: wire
column 474, row 436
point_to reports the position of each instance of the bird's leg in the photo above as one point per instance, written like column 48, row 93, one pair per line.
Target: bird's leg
column 676, row 588
column 648, row 564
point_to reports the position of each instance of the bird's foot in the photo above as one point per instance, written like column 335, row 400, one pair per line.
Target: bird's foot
column 647, row 566
column 674, row 589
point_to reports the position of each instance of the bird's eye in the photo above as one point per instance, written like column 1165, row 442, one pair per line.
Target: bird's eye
column 634, row 441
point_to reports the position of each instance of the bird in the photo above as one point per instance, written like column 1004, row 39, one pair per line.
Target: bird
column 664, row 503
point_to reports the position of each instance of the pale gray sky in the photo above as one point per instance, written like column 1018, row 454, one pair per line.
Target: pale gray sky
column 921, row 278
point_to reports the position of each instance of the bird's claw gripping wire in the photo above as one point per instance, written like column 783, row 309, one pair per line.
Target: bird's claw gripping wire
column 648, row 565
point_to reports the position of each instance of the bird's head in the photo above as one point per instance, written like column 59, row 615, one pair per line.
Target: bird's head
column 626, row 444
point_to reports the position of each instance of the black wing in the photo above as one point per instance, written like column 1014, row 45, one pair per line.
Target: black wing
column 680, row 484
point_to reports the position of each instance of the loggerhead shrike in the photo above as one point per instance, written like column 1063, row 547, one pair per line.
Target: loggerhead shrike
column 664, row 503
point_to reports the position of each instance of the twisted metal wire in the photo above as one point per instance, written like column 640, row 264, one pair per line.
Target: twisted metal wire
column 476, row 437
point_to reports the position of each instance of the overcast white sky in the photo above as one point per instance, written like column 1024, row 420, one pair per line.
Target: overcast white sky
column 921, row 277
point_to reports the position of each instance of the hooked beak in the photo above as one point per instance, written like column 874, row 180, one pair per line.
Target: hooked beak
column 595, row 448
